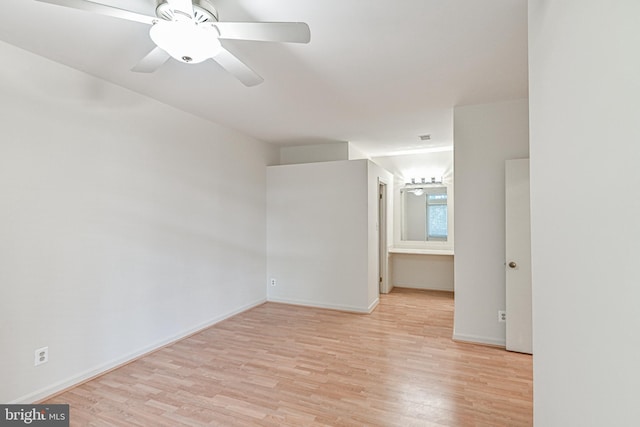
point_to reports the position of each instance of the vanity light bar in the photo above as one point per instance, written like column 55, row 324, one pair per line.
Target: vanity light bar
column 424, row 181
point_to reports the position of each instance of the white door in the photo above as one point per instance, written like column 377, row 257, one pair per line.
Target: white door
column 518, row 254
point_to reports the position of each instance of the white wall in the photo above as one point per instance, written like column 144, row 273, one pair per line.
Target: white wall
column 434, row 272
column 318, row 228
column 124, row 224
column 585, row 132
column 355, row 153
column 484, row 137
column 438, row 163
column 314, row 153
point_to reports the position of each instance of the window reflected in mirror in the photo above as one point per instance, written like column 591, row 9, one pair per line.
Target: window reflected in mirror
column 424, row 213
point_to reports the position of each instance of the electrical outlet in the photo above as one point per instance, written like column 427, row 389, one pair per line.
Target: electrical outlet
column 273, row 282
column 41, row 356
column 502, row 316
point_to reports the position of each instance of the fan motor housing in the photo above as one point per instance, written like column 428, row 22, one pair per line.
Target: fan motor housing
column 203, row 11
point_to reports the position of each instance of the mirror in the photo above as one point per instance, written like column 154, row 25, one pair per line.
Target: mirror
column 424, row 213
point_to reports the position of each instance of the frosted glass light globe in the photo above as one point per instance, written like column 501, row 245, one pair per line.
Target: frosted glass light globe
column 185, row 40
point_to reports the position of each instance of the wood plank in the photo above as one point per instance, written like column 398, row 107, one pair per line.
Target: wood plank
column 278, row 365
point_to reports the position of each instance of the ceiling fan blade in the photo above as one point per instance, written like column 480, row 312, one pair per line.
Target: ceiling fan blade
column 184, row 6
column 288, row 32
column 239, row 69
column 102, row 9
column 152, row 61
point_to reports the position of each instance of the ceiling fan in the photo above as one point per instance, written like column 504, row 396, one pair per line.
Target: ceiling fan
column 189, row 31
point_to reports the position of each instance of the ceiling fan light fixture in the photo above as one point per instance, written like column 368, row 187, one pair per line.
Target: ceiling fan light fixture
column 189, row 31
column 186, row 41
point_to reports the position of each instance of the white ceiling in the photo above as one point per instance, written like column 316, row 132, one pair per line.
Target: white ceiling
column 377, row 74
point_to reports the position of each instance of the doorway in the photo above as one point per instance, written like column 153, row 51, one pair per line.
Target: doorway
column 383, row 249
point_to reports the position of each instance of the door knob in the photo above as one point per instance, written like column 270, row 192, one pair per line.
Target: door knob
column 512, row 264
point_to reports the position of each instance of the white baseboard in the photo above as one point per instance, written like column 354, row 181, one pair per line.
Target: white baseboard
column 351, row 309
column 476, row 339
column 105, row 367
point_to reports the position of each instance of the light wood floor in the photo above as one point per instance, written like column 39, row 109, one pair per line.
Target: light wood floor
column 281, row 365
